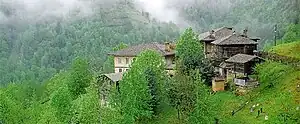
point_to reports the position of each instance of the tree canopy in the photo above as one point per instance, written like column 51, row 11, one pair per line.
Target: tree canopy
column 141, row 89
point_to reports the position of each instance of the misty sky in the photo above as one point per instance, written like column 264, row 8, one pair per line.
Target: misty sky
column 42, row 9
column 35, row 10
column 159, row 9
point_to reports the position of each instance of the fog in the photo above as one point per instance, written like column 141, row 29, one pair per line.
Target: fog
column 35, row 10
column 160, row 10
column 171, row 10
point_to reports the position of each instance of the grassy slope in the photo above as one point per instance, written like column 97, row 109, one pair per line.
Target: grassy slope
column 289, row 49
column 284, row 97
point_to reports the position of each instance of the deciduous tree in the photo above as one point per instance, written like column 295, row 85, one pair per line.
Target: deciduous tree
column 191, row 56
column 141, row 89
column 80, row 77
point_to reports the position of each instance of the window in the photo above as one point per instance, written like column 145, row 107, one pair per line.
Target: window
column 119, row 60
column 127, row 69
column 120, row 70
column 127, row 60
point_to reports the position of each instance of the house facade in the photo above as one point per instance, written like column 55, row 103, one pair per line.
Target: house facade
column 124, row 58
column 223, row 45
column 231, row 45
column 208, row 37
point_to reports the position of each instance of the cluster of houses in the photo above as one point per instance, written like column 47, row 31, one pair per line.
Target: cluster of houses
column 233, row 55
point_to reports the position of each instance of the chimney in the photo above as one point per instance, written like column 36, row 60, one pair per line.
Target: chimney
column 167, row 47
column 245, row 32
column 233, row 33
column 212, row 34
column 173, row 46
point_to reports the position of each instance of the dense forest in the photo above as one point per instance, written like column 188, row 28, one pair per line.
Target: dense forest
column 36, row 49
column 50, row 61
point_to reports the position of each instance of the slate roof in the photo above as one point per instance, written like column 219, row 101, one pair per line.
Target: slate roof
column 218, row 33
column 226, row 65
column 135, row 50
column 114, row 76
column 241, row 58
column 234, row 39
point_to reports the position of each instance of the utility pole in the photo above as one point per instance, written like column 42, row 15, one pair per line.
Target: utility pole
column 275, row 34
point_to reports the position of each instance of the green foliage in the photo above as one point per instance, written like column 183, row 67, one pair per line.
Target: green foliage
column 37, row 51
column 292, row 33
column 270, row 75
column 135, row 93
column 257, row 15
column 182, row 94
column 152, row 85
column 61, row 103
column 191, row 56
column 189, row 50
column 80, row 78
column 288, row 49
column 34, row 52
column 204, row 111
column 51, row 102
column 17, row 101
column 87, row 107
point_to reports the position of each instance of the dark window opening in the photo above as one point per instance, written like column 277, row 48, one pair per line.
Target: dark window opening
column 127, row 60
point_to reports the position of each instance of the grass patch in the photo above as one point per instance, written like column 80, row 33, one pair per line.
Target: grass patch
column 289, row 49
column 168, row 115
column 278, row 101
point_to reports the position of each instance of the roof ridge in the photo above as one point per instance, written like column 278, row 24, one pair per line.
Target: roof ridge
column 223, row 39
column 155, row 44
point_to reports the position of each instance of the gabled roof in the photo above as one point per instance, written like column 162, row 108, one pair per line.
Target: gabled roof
column 218, row 33
column 241, row 58
column 234, row 39
column 226, row 65
column 114, row 76
column 135, row 50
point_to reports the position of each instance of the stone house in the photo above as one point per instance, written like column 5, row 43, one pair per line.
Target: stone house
column 220, row 45
column 123, row 58
column 223, row 43
column 242, row 64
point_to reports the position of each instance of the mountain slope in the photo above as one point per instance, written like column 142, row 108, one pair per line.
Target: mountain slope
column 278, row 94
column 36, row 51
column 289, row 49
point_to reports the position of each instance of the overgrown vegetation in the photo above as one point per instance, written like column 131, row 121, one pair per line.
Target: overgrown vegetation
column 288, row 49
column 148, row 96
column 48, row 69
column 63, row 99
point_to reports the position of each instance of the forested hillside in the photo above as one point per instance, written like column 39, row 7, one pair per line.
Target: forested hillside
column 34, row 47
column 259, row 16
column 52, row 53
column 36, row 51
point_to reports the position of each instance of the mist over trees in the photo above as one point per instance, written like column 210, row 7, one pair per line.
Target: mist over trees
column 51, row 52
column 39, row 38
